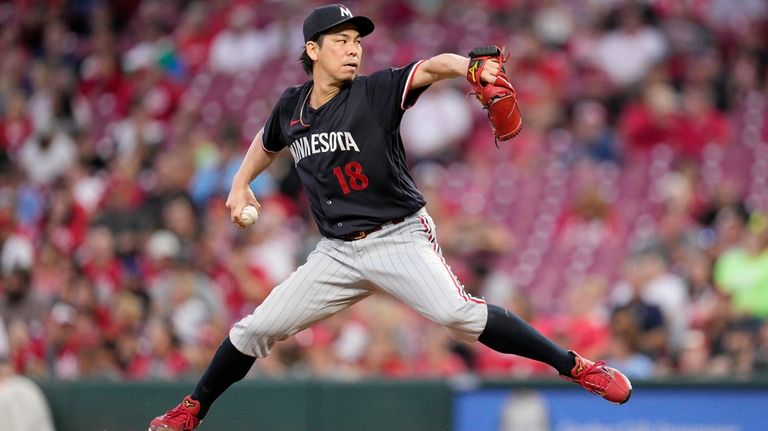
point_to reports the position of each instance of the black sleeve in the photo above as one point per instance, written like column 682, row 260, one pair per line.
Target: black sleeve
column 390, row 94
column 272, row 139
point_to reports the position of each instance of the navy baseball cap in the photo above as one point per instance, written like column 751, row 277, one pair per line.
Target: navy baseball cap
column 325, row 17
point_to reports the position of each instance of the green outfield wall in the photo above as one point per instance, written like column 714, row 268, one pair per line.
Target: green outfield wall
column 373, row 405
column 263, row 405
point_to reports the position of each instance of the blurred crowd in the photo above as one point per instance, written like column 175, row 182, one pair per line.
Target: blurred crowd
column 628, row 221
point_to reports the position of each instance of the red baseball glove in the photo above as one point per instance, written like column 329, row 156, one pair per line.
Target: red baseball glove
column 498, row 98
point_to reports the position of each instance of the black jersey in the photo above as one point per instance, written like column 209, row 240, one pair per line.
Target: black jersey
column 349, row 153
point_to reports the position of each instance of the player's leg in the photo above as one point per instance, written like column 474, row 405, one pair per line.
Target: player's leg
column 505, row 332
column 327, row 283
column 406, row 261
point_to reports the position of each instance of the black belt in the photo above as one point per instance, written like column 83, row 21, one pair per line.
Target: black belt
column 354, row 236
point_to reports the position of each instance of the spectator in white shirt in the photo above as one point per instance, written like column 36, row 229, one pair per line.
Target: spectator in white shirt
column 242, row 47
column 47, row 155
column 23, row 406
column 628, row 53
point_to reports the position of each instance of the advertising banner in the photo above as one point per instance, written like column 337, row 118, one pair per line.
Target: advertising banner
column 649, row 409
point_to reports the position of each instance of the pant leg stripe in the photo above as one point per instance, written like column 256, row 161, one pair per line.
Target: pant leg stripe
column 438, row 251
column 427, row 229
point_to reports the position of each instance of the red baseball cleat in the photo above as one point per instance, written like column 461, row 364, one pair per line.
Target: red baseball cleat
column 601, row 380
column 180, row 418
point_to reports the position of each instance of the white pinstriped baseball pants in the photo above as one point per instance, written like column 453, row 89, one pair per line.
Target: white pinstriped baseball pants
column 402, row 259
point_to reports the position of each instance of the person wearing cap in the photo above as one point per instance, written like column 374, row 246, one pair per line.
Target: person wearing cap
column 342, row 129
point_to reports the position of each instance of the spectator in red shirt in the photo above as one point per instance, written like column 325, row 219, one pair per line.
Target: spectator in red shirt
column 436, row 358
column 586, row 322
column 27, row 349
column 589, row 219
column 15, row 125
column 193, row 36
column 65, row 221
column 491, row 363
column 382, row 356
column 700, row 123
column 164, row 358
column 651, row 121
column 100, row 262
column 102, row 83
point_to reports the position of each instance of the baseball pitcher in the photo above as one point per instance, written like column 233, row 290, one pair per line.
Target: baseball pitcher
column 342, row 130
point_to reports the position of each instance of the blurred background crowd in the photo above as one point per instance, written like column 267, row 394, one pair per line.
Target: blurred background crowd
column 628, row 221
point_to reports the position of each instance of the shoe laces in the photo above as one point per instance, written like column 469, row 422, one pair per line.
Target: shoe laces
column 182, row 413
column 595, row 378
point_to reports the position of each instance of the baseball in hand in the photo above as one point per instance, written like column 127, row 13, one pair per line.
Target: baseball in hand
column 249, row 215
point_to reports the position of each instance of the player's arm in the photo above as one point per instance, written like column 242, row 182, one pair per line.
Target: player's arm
column 256, row 160
column 446, row 66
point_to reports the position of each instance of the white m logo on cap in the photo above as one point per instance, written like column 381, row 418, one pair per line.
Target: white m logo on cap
column 345, row 12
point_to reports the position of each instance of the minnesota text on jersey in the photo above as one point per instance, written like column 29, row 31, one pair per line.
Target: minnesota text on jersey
column 322, row 143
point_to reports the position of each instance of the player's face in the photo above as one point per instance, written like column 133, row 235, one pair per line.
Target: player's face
column 341, row 53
